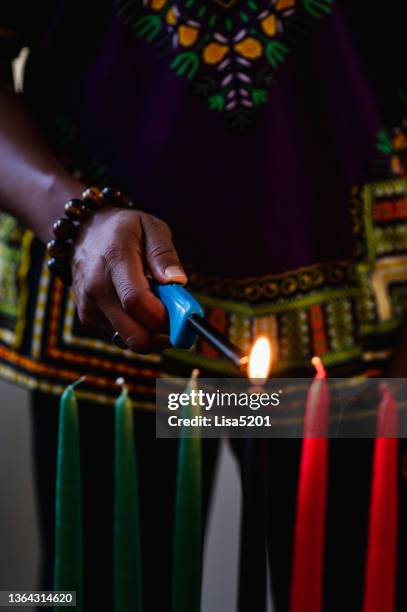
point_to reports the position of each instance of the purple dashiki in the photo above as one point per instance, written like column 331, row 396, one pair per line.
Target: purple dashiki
column 258, row 131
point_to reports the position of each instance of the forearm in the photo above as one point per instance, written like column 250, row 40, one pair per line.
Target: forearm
column 33, row 184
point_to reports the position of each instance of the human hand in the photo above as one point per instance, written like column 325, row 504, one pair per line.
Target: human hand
column 113, row 250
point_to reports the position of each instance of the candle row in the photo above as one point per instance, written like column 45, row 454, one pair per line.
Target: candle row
column 309, row 536
column 68, row 575
column 309, row 530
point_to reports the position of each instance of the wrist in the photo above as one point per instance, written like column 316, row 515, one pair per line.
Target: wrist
column 76, row 213
column 58, row 190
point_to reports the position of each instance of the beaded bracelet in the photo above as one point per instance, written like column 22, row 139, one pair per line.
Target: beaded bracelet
column 65, row 229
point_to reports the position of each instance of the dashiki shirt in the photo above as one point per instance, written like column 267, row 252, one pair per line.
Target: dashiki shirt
column 264, row 132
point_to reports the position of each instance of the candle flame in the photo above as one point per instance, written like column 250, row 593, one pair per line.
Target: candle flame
column 260, row 359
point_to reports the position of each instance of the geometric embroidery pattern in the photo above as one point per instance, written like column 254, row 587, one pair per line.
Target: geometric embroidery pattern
column 346, row 312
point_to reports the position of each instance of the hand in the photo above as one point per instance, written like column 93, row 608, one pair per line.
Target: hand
column 111, row 254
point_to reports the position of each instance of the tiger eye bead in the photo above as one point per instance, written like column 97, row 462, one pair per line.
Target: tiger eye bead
column 93, row 198
column 58, row 249
column 64, row 229
column 60, row 269
column 56, row 265
column 75, row 210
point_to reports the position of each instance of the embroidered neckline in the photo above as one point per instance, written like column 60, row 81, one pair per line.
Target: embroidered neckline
column 229, row 50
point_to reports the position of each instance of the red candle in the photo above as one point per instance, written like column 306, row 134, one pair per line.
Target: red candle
column 309, row 535
column 317, row 408
column 380, row 585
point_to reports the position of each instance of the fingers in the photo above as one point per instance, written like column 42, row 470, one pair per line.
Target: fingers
column 108, row 268
column 90, row 315
column 99, row 307
column 159, row 343
column 160, row 253
column 135, row 335
column 94, row 320
column 133, row 290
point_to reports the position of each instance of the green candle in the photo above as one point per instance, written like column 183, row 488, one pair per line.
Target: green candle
column 68, row 510
column 127, row 550
column 186, row 594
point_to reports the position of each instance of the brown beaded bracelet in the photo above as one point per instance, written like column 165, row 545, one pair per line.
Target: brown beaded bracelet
column 66, row 228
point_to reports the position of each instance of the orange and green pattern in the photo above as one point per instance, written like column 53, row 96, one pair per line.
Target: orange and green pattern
column 229, row 49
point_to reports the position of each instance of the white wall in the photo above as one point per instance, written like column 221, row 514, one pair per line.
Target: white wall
column 18, row 528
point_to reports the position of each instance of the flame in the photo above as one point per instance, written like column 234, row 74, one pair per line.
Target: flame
column 260, row 359
column 319, row 367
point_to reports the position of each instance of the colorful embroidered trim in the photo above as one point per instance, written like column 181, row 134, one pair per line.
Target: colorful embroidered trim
column 273, row 286
column 347, row 312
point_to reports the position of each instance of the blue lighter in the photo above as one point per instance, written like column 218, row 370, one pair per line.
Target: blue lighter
column 186, row 319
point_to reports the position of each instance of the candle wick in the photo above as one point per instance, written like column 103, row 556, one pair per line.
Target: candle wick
column 78, row 382
column 122, row 383
column 318, row 365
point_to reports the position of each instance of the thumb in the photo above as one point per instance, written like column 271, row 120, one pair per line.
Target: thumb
column 160, row 253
